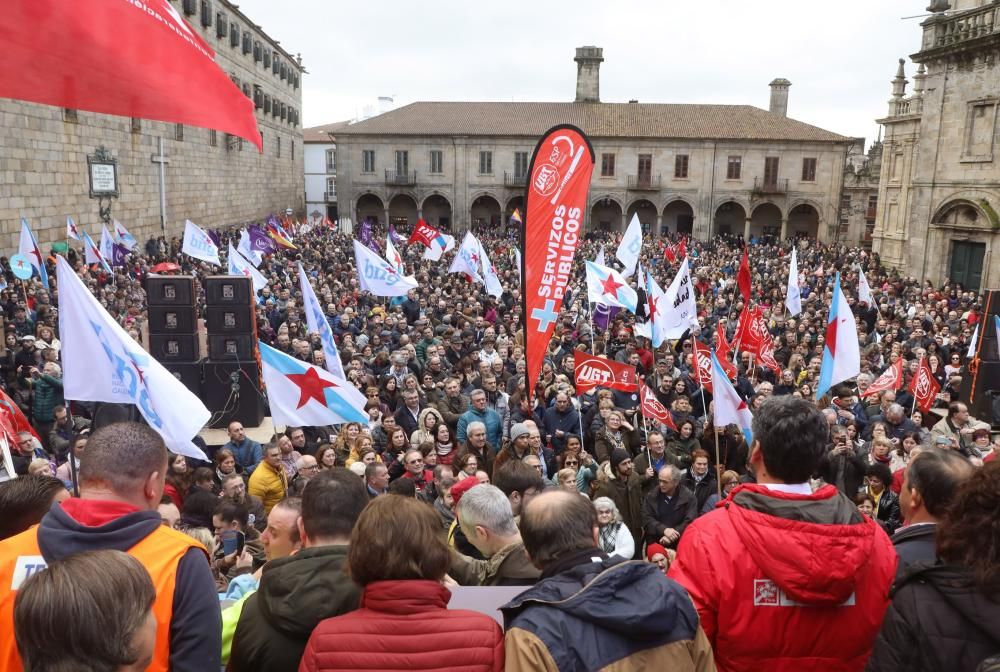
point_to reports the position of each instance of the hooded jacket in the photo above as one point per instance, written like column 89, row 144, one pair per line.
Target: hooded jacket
column 295, row 594
column 79, row 525
column 603, row 613
column 938, row 620
column 787, row 582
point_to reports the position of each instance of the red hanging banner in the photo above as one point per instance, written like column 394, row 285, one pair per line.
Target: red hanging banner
column 591, row 372
column 651, row 407
column 131, row 58
column 891, row 379
column 924, row 387
column 556, row 202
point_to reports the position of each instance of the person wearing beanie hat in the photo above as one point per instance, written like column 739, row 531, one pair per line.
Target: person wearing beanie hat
column 518, row 448
column 624, row 487
column 659, row 556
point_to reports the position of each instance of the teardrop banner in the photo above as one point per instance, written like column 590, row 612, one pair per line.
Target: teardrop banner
column 556, row 201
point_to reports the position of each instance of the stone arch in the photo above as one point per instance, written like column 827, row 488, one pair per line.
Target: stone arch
column 960, row 212
column 484, row 211
column 803, row 221
column 729, row 219
column 436, row 210
column 403, row 210
column 606, row 214
column 370, row 205
column 678, row 217
column 646, row 210
column 765, row 220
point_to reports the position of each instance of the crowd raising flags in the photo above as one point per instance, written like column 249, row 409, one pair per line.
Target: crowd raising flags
column 198, row 244
column 631, row 245
column 841, row 351
column 793, row 300
column 28, row 246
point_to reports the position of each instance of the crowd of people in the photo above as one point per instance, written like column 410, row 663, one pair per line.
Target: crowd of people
column 822, row 544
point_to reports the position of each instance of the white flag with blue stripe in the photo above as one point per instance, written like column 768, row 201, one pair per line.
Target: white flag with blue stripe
column 198, row 244
column 378, row 276
column 303, row 395
column 318, row 323
column 728, row 408
column 101, row 362
column 238, row 265
column 841, row 351
column 631, row 246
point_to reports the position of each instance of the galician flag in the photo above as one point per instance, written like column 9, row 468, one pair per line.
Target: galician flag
column 107, row 243
column 467, row 259
column 378, row 276
column 793, row 299
column 729, row 409
column 198, row 244
column 92, row 253
column 101, row 362
column 631, row 246
column 841, row 352
column 123, row 236
column 392, row 256
column 656, row 311
column 238, row 265
column 490, row 278
column 71, row 230
column 303, row 395
column 28, row 246
column 607, row 286
column 317, row 322
column 864, row 290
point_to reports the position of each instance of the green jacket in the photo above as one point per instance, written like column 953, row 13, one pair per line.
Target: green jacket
column 48, row 395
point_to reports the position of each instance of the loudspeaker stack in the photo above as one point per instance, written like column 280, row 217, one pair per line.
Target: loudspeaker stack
column 232, row 370
column 981, row 379
column 173, row 327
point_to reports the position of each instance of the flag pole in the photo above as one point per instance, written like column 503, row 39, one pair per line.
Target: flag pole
column 920, row 368
column 718, row 473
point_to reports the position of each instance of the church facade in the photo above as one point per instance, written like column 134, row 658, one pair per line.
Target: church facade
column 939, row 192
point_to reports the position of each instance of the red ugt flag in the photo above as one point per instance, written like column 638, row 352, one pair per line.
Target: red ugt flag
column 423, row 233
column 131, row 58
column 743, row 277
column 651, row 407
column 924, row 387
column 591, row 372
column 891, row 379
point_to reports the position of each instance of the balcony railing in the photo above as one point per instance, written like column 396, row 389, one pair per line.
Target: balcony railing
column 330, row 196
column 762, row 186
column 962, row 27
column 903, row 106
column 514, row 180
column 407, row 179
column 644, row 182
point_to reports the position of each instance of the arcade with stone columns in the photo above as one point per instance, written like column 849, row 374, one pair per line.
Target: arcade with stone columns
column 687, row 168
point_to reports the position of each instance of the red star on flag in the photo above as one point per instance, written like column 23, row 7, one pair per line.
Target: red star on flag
column 652, row 308
column 310, row 386
column 609, row 286
column 831, row 337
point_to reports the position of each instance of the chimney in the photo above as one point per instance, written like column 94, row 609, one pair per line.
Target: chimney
column 779, row 96
column 588, row 74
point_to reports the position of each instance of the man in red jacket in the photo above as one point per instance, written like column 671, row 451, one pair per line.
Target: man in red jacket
column 785, row 578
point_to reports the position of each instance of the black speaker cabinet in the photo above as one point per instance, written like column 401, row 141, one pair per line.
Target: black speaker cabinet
column 174, row 347
column 228, row 290
column 188, row 373
column 231, row 347
column 174, row 290
column 229, row 319
column 173, row 319
column 232, row 392
column 984, row 400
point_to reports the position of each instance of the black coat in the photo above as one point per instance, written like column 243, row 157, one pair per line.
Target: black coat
column 913, row 544
column 888, row 510
column 657, row 515
column 938, row 620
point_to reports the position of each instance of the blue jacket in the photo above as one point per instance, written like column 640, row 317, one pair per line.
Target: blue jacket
column 489, row 417
column 602, row 611
column 248, row 454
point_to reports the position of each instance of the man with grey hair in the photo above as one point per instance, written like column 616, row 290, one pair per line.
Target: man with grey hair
column 668, row 509
column 487, row 520
column 896, row 424
column 480, row 412
column 305, row 468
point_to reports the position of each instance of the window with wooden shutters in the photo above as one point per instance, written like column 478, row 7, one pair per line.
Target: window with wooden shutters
column 206, row 13
column 809, row 169
column 770, row 172
column 734, row 168
column 607, row 165
column 681, row 166
column 221, row 25
column 368, row 160
column 485, row 163
column 437, row 161
column 520, row 164
column 267, row 58
column 234, row 36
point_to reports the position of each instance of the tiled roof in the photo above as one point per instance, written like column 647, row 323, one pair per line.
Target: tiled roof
column 322, row 133
column 598, row 120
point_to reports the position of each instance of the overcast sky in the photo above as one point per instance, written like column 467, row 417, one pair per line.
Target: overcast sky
column 839, row 56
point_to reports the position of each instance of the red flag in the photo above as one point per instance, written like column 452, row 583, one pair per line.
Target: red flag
column 669, row 253
column 891, row 379
column 13, row 414
column 560, row 172
column 924, row 387
column 591, row 372
column 651, row 407
column 743, row 276
column 748, row 337
column 722, row 347
column 682, row 249
column 423, row 233
column 55, row 53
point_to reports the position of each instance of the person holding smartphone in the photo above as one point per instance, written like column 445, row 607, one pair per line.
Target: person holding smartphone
column 239, row 549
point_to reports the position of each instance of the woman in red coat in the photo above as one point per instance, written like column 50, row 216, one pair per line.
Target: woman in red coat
column 399, row 557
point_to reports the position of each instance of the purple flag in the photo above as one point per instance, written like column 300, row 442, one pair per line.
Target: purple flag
column 603, row 315
column 396, row 239
column 365, row 235
column 261, row 242
column 118, row 254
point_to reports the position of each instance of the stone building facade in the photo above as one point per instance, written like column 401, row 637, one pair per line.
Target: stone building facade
column 940, row 186
column 859, row 201
column 320, row 162
column 698, row 169
column 211, row 178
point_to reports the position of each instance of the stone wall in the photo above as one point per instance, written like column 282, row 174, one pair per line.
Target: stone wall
column 44, row 149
